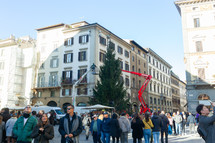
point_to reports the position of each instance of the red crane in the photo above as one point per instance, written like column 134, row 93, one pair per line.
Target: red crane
column 144, row 107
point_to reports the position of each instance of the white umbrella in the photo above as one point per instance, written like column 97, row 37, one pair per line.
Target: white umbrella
column 98, row 106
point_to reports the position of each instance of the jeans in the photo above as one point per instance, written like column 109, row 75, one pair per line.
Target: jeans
column 115, row 138
column 96, row 137
column 166, row 136
column 156, row 136
column 105, row 137
column 178, row 128
column 124, row 137
column 192, row 128
column 147, row 135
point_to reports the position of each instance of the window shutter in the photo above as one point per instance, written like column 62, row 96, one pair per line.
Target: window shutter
column 87, row 38
column 85, row 57
column 80, row 39
column 79, row 56
column 71, row 57
column 65, row 42
column 70, row 92
column 63, row 92
column 63, row 74
column 100, row 56
column 65, row 58
column 51, row 63
column 70, row 75
column 72, row 41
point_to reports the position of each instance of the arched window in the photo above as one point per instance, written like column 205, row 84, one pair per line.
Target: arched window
column 155, row 101
column 52, row 104
column 150, row 100
column 203, row 97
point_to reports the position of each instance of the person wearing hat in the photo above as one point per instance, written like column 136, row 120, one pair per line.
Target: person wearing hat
column 106, row 128
column 95, row 129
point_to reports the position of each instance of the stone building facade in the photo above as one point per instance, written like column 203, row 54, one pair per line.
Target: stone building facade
column 199, row 54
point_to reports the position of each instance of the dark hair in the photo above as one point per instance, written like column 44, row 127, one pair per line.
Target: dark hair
column 123, row 114
column 34, row 113
column 155, row 113
column 199, row 108
column 147, row 117
column 40, row 122
column 70, row 105
column 114, row 116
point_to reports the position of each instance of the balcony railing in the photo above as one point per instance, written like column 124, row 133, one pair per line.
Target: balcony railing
column 67, row 82
column 48, row 84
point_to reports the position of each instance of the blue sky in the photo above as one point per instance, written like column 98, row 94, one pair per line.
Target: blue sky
column 153, row 24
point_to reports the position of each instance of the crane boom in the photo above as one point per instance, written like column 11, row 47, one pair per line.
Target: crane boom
column 144, row 107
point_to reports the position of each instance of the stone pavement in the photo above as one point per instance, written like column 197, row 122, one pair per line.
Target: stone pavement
column 193, row 138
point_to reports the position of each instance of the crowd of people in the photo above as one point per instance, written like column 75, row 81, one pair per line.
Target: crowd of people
column 29, row 126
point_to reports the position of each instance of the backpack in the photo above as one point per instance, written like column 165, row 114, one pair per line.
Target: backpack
column 201, row 132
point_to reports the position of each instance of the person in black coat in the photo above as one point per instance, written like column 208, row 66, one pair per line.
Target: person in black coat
column 164, row 128
column 137, row 125
column 157, row 122
column 43, row 131
column 114, row 128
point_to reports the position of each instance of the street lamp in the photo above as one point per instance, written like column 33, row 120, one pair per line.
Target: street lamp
column 92, row 69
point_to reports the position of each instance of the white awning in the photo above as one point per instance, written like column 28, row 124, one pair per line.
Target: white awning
column 205, row 102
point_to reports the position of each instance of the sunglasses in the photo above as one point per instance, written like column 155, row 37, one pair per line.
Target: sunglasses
column 69, row 108
column 27, row 107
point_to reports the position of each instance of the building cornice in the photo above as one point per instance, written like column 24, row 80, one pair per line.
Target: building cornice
column 50, row 27
column 157, row 56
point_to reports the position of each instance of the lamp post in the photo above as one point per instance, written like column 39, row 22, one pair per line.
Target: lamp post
column 93, row 70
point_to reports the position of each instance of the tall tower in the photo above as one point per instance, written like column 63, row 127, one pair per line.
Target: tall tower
column 198, row 25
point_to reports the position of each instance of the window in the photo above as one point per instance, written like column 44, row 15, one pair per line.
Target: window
column 112, row 45
column 139, row 52
column 154, row 87
column 144, row 65
column 54, row 62
column 121, row 79
column 80, row 73
column 196, row 22
column 67, row 77
column 82, row 56
column 82, row 91
column 154, row 73
column 159, row 102
column 52, row 93
column 140, row 84
column 133, row 58
column 69, row 42
column 149, row 59
column 126, row 81
column 102, row 40
column 150, row 86
column 39, row 94
column 150, row 100
column 153, row 62
column 1, row 65
column 139, row 70
column 155, row 101
column 83, row 39
column 139, row 62
column 126, row 54
column 53, row 79
column 158, row 89
column 132, row 48
column 126, row 67
column 42, row 66
column 201, row 73
column 41, row 80
column 133, row 68
column 68, row 58
column 66, row 92
column 150, row 71
column 101, row 57
column 199, row 46
column 133, row 83
column 121, row 64
column 120, row 50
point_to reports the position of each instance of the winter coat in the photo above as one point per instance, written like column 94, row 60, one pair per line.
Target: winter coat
column 114, row 128
column 62, row 130
column 137, row 127
column 157, row 122
column 9, row 126
column 191, row 119
column 23, row 132
column 106, row 125
column 165, row 122
column 124, row 124
column 45, row 136
column 207, row 123
column 2, row 127
column 99, row 124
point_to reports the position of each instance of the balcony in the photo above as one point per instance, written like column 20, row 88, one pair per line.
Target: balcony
column 67, row 81
column 44, row 85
